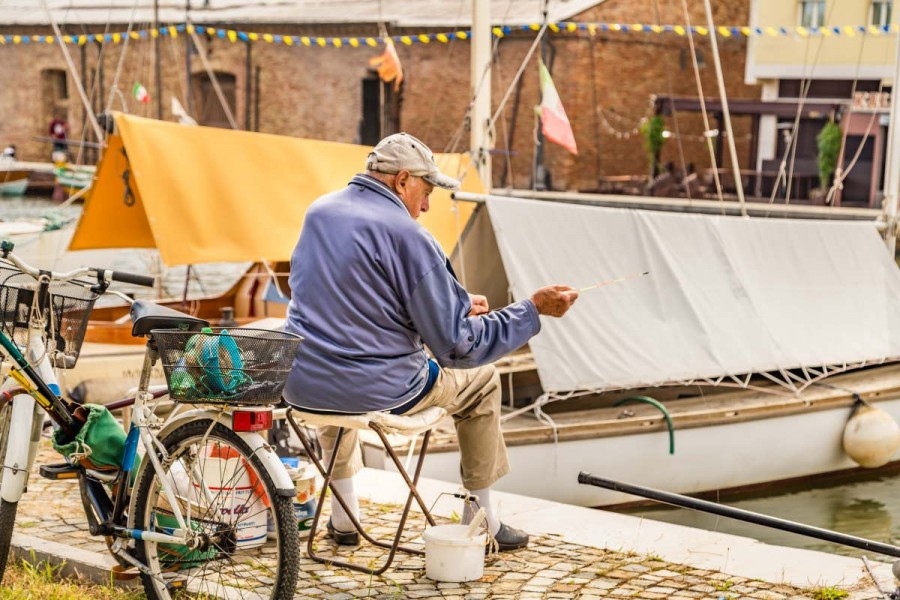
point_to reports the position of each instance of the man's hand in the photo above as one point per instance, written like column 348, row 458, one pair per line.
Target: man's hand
column 479, row 305
column 554, row 300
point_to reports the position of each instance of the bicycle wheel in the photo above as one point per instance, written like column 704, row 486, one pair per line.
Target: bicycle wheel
column 228, row 499
column 7, row 509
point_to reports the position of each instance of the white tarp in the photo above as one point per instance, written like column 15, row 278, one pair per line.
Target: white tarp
column 724, row 295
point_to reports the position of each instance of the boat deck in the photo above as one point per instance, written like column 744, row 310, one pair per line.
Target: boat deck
column 689, row 407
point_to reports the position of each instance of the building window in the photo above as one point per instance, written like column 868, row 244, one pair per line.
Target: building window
column 812, row 13
column 380, row 110
column 881, row 12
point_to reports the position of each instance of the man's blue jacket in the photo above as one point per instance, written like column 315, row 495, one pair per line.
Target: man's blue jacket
column 370, row 287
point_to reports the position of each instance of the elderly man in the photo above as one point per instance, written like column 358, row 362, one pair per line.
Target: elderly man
column 371, row 288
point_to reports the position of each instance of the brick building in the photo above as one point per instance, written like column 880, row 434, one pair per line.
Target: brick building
column 605, row 78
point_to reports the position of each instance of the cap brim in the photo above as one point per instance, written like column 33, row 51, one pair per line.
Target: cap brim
column 442, row 181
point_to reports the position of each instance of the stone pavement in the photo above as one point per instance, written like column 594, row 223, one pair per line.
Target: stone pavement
column 50, row 521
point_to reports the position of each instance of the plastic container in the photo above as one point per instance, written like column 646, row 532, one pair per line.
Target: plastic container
column 237, row 497
column 452, row 556
column 305, row 503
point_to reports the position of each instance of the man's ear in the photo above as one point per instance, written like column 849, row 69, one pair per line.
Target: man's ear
column 401, row 180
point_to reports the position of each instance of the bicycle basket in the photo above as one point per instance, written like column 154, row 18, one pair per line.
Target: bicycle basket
column 226, row 366
column 66, row 323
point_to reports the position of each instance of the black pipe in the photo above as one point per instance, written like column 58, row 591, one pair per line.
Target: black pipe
column 740, row 515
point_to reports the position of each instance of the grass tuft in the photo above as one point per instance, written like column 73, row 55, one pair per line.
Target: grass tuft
column 43, row 581
column 829, row 593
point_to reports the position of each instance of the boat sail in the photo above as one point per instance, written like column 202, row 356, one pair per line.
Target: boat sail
column 780, row 310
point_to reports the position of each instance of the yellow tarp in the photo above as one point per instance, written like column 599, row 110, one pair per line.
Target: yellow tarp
column 202, row 194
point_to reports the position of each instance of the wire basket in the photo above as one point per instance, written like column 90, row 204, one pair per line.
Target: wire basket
column 226, row 366
column 66, row 323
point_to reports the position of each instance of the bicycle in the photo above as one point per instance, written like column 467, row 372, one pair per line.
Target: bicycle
column 206, row 506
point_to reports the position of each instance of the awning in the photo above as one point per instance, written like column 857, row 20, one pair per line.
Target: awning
column 725, row 296
column 202, row 194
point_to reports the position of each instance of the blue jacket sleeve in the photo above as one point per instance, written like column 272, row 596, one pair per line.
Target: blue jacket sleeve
column 438, row 307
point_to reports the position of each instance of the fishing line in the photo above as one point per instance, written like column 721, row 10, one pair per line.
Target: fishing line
column 612, row 281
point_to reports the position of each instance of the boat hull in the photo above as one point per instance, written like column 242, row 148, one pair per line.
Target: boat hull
column 13, row 187
column 728, row 451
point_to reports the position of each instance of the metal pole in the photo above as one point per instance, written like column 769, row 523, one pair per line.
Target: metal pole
column 741, row 515
column 721, row 80
column 892, row 158
column 480, row 89
column 248, row 84
column 188, row 49
column 158, row 66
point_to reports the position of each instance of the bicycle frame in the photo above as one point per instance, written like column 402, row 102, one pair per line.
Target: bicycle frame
column 26, row 421
column 107, row 514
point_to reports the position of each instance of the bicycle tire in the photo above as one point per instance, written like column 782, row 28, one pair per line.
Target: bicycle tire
column 228, row 563
column 7, row 509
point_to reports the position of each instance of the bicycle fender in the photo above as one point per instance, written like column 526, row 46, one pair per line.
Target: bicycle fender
column 257, row 443
column 15, row 463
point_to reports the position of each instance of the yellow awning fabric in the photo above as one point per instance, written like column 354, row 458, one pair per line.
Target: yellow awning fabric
column 202, row 194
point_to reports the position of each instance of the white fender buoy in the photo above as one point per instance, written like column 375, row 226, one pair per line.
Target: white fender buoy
column 871, row 436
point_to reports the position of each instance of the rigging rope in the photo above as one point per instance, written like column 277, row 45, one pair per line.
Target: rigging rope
column 706, row 129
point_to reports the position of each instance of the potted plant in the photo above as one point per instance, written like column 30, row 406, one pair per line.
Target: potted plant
column 828, row 143
column 652, row 130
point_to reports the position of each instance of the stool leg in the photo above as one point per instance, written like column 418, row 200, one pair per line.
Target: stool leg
column 327, row 473
column 410, row 483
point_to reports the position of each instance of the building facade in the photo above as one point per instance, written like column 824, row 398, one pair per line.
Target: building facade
column 826, row 52
column 276, row 77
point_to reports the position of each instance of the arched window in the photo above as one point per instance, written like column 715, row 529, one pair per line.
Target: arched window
column 207, row 105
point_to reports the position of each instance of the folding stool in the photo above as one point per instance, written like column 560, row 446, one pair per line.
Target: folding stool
column 382, row 423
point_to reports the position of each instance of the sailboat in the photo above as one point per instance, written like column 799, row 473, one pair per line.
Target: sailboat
column 737, row 362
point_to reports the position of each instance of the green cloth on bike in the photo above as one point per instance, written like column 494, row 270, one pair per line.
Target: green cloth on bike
column 99, row 444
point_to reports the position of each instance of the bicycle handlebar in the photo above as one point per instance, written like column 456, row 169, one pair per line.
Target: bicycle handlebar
column 104, row 276
column 133, row 278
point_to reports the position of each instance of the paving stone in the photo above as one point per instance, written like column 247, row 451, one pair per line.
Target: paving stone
column 550, row 569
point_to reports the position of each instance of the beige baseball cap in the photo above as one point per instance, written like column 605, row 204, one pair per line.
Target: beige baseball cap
column 403, row 152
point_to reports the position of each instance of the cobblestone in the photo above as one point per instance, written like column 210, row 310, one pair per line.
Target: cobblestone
column 550, row 569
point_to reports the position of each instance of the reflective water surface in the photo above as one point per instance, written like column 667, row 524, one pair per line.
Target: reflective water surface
column 866, row 507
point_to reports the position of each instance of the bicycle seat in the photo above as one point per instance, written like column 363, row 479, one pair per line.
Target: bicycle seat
column 147, row 316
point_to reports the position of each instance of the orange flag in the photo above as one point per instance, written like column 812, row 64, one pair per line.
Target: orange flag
column 388, row 64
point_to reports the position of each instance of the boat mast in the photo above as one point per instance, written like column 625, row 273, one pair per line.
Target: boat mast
column 480, row 89
column 158, row 67
column 725, row 112
column 891, row 175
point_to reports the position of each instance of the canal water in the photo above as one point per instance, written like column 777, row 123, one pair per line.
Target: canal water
column 864, row 506
column 868, row 508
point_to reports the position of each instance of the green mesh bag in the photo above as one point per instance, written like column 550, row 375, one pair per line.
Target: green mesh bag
column 98, row 445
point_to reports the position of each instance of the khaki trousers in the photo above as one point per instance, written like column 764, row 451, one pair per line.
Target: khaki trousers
column 472, row 397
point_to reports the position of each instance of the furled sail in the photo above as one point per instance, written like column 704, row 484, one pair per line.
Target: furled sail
column 725, row 296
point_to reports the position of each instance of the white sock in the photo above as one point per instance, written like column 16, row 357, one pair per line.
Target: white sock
column 339, row 517
column 484, row 499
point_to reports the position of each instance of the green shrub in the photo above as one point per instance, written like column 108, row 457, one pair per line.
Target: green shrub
column 829, row 145
column 652, row 129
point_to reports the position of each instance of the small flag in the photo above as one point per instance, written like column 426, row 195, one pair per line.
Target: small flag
column 388, row 64
column 140, row 93
column 178, row 112
column 554, row 123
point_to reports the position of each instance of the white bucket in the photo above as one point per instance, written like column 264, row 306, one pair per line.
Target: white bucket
column 451, row 556
column 236, row 499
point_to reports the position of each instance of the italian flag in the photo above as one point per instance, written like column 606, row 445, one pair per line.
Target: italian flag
column 140, row 93
column 554, row 123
